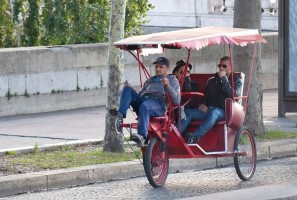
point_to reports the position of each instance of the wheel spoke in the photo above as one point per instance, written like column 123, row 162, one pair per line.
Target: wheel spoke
column 156, row 168
column 245, row 154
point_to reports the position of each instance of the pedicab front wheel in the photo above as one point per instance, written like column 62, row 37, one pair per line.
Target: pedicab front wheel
column 245, row 156
column 156, row 162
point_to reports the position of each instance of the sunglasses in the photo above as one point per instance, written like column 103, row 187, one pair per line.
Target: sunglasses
column 181, row 72
column 222, row 65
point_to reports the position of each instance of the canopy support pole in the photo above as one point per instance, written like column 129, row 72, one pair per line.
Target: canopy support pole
column 141, row 65
column 232, row 74
column 183, row 76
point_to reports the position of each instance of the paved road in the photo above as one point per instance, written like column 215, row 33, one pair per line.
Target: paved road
column 179, row 185
column 53, row 128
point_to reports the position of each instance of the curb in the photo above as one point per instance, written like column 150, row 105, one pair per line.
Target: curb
column 47, row 180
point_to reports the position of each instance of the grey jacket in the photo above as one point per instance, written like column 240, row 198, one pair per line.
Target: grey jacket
column 154, row 86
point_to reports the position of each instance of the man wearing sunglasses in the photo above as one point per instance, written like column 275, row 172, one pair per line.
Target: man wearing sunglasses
column 212, row 107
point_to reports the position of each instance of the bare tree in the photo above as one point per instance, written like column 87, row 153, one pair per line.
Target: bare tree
column 247, row 14
column 113, row 142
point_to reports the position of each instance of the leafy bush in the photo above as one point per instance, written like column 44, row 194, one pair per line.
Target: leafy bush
column 60, row 22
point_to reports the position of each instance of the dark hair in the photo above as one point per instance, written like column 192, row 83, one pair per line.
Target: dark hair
column 179, row 64
column 225, row 58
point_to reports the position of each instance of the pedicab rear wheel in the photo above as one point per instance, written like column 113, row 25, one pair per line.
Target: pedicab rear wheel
column 156, row 162
column 245, row 156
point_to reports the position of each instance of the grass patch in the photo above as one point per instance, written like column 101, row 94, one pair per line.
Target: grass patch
column 11, row 153
column 276, row 135
column 67, row 157
column 35, row 149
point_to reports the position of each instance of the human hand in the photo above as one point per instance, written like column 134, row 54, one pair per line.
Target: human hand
column 222, row 73
column 203, row 107
column 127, row 84
column 188, row 80
column 165, row 82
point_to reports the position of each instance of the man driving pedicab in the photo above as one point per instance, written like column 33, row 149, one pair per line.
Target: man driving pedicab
column 150, row 101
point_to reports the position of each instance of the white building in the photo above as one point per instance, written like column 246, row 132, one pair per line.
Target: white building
column 179, row 14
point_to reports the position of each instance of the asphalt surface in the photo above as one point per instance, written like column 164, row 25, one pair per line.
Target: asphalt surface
column 187, row 184
column 21, row 133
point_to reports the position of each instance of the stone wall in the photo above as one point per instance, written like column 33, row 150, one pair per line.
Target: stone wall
column 44, row 79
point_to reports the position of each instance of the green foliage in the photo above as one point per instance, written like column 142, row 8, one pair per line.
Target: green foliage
column 73, row 22
column 135, row 13
column 77, row 88
column 9, row 95
column 59, row 22
column 66, row 158
column 54, row 19
column 6, row 25
column 31, row 25
column 35, row 149
column 26, row 94
column 276, row 135
column 11, row 153
column 101, row 81
column 89, row 21
column 19, row 13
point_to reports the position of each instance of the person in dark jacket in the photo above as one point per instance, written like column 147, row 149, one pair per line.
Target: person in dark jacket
column 150, row 100
column 212, row 108
column 188, row 86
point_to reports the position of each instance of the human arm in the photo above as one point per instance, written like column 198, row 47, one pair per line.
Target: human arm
column 204, row 99
column 140, row 92
column 187, row 87
column 227, row 86
column 171, row 86
column 203, row 106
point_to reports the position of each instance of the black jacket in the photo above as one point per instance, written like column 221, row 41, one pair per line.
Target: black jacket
column 190, row 86
column 218, row 89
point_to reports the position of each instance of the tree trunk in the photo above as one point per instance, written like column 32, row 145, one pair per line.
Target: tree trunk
column 113, row 142
column 247, row 14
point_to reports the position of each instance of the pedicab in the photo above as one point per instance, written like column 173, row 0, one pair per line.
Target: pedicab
column 228, row 138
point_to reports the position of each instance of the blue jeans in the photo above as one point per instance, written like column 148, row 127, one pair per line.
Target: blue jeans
column 210, row 117
column 144, row 108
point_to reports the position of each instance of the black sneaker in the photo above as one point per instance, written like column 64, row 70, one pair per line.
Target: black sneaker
column 139, row 139
column 187, row 136
column 193, row 139
column 118, row 123
column 134, row 137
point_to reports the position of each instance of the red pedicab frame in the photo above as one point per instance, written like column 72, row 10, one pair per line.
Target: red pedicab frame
column 164, row 140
